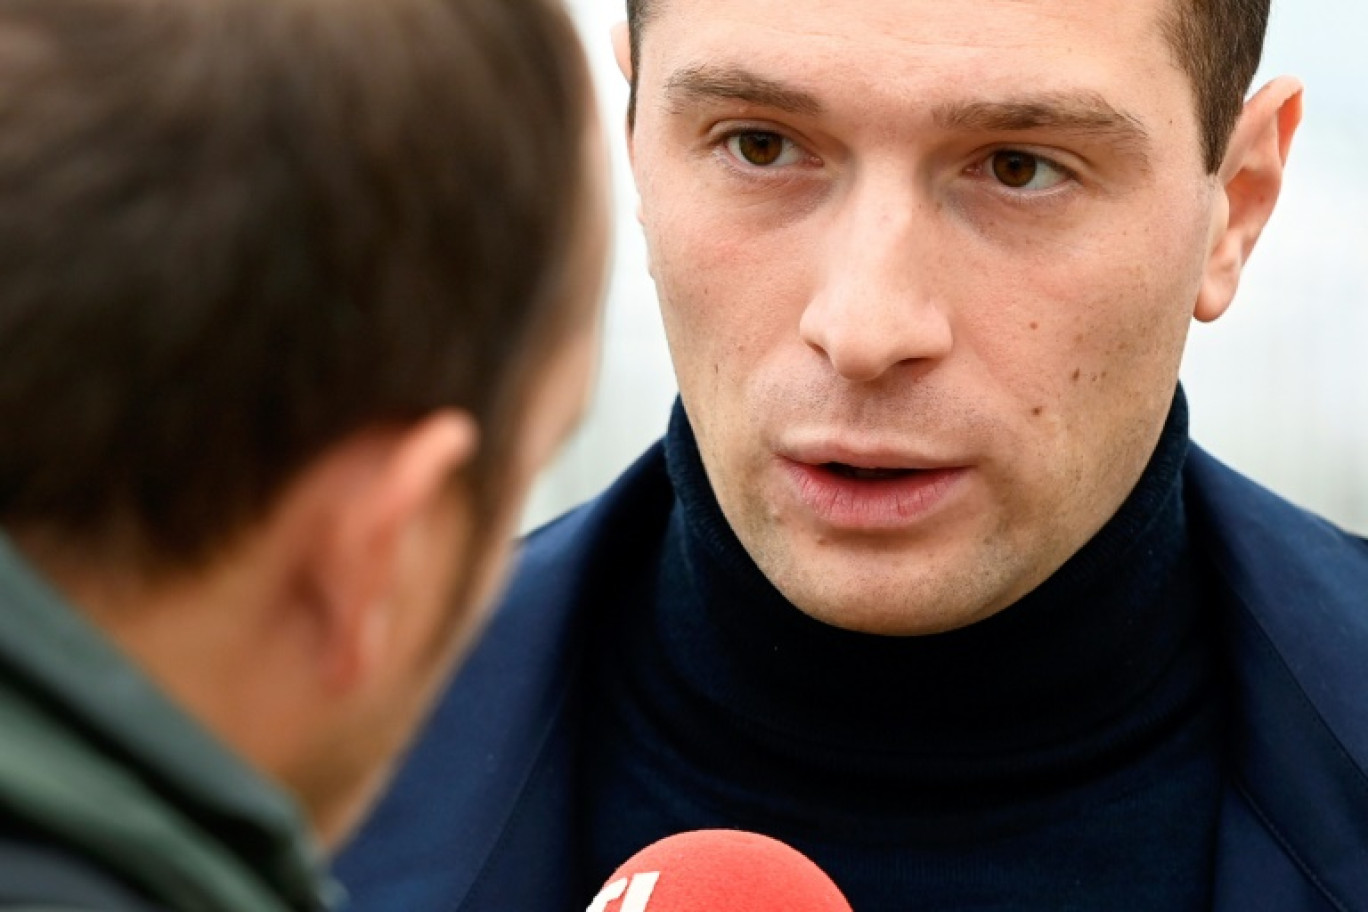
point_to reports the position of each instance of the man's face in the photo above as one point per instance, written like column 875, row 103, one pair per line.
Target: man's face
column 926, row 271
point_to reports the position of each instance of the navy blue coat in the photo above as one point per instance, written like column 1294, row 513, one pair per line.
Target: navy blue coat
column 482, row 815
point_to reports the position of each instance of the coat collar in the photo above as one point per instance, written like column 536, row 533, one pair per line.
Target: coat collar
column 100, row 759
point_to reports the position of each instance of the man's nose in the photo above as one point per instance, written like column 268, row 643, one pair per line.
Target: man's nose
column 876, row 304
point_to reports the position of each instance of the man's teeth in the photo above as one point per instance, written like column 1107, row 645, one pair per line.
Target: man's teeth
column 849, row 471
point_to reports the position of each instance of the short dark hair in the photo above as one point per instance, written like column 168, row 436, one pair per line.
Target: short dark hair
column 236, row 232
column 1218, row 43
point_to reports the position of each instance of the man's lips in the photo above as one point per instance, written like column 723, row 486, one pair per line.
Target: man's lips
column 868, row 458
column 870, row 491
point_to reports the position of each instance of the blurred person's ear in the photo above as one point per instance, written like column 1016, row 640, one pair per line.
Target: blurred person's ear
column 377, row 511
column 1250, row 180
column 622, row 49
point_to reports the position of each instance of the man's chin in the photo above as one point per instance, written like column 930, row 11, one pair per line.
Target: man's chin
column 890, row 606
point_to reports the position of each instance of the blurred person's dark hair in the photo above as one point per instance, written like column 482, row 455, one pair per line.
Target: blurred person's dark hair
column 225, row 246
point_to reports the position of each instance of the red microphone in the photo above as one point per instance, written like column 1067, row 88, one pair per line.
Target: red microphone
column 719, row 869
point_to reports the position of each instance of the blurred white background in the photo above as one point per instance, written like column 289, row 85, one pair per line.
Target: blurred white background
column 1278, row 386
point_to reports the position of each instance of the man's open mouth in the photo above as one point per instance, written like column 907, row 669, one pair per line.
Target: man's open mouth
column 863, row 474
column 870, row 497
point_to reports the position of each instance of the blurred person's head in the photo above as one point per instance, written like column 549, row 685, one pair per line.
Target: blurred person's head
column 927, row 269
column 295, row 298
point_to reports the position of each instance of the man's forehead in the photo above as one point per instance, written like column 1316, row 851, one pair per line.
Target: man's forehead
column 1036, row 64
column 1004, row 23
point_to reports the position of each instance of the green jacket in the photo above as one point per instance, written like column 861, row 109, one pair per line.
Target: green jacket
column 96, row 759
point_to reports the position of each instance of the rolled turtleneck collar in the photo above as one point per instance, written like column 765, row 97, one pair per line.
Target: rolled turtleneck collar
column 1069, row 656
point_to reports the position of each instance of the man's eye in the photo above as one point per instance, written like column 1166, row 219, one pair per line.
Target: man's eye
column 1024, row 171
column 763, row 150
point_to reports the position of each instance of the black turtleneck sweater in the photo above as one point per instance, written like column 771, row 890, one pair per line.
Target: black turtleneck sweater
column 1063, row 754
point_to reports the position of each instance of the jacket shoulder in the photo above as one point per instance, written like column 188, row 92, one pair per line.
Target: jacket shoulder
column 1299, row 578
column 1294, row 590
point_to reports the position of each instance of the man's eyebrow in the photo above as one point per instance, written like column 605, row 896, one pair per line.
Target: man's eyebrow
column 701, row 84
column 1086, row 113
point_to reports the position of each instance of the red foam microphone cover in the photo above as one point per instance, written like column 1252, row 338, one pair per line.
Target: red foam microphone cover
column 719, row 870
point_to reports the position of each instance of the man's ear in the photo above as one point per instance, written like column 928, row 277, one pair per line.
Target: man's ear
column 622, row 52
column 1251, row 178
column 368, row 498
